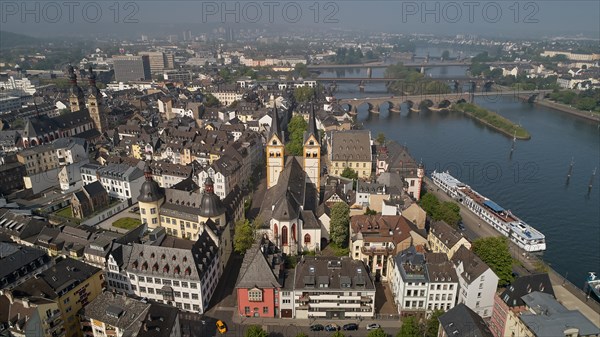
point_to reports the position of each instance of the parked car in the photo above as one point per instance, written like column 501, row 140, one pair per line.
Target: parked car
column 461, row 226
column 332, row 327
column 134, row 209
column 221, row 327
column 351, row 326
column 373, row 326
column 317, row 327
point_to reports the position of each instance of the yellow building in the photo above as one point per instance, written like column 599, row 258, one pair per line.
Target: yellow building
column 444, row 239
column 64, row 289
column 351, row 149
column 312, row 151
column 275, row 151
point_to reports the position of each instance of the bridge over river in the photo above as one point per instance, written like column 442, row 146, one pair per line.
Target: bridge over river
column 434, row 101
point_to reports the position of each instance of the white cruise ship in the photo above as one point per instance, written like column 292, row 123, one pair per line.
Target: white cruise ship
column 523, row 235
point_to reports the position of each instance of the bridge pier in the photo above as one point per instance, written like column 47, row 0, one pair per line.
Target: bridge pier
column 369, row 72
column 374, row 109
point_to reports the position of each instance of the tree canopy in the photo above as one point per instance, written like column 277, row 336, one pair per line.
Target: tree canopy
column 432, row 324
column 255, row 331
column 447, row 211
column 494, row 251
column 410, row 328
column 380, row 138
column 243, row 236
column 211, row 101
column 304, row 94
column 349, row 173
column 296, row 129
column 412, row 82
column 377, row 333
column 339, row 224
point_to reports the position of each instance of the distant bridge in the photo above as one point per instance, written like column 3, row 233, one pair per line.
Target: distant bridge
column 406, row 64
column 387, row 80
column 433, row 101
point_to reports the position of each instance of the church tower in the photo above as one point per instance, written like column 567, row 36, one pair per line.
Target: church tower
column 76, row 97
column 94, row 103
column 275, row 151
column 312, row 151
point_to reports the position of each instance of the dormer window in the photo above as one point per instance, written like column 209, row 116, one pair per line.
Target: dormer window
column 255, row 295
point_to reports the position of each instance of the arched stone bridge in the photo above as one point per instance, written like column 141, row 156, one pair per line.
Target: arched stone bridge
column 434, row 101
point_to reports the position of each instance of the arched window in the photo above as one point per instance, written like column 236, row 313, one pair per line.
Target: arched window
column 284, row 236
column 307, row 239
column 293, row 232
column 275, row 231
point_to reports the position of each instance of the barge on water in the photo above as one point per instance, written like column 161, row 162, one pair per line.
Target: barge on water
column 509, row 225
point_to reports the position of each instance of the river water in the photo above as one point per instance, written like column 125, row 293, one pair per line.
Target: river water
column 531, row 182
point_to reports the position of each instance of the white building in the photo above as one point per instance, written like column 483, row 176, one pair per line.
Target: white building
column 422, row 283
column 478, row 283
column 332, row 288
column 120, row 180
column 177, row 272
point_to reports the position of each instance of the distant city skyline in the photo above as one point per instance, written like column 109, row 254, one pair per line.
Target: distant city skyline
column 534, row 19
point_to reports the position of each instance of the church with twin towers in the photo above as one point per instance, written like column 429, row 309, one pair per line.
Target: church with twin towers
column 288, row 211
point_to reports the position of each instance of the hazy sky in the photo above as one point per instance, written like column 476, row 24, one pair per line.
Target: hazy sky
column 511, row 18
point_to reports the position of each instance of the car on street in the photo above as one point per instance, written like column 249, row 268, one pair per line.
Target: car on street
column 332, row 327
column 317, row 327
column 351, row 326
column 461, row 226
column 221, row 327
column 373, row 326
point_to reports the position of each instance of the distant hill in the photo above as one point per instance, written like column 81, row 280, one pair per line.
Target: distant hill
column 10, row 39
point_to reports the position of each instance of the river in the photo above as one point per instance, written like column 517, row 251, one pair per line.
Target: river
column 531, row 183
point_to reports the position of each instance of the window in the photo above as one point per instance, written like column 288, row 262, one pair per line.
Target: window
column 255, row 295
column 286, row 301
column 156, row 280
column 131, row 276
column 185, row 295
column 141, row 278
column 307, row 239
column 247, row 310
column 134, row 288
column 153, row 210
column 143, row 210
column 176, row 283
column 186, row 306
column 265, row 310
column 194, row 296
column 142, row 289
column 284, row 235
column 151, row 291
column 149, row 280
column 184, row 284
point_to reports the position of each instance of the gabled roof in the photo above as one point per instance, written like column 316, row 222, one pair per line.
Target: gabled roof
column 256, row 272
column 524, row 285
column 464, row 322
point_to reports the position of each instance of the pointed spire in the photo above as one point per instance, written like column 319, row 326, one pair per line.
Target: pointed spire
column 312, row 123
column 275, row 123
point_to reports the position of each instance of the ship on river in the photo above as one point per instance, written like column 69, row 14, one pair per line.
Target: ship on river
column 508, row 224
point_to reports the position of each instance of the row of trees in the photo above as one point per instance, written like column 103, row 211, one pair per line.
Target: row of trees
column 410, row 328
column 585, row 100
column 413, row 82
column 447, row 211
column 351, row 55
column 296, row 128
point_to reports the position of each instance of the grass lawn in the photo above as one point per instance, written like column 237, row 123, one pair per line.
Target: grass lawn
column 127, row 223
column 65, row 212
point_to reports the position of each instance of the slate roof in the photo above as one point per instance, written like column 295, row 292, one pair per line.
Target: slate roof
column 473, row 265
column 464, row 322
column 159, row 321
column 94, row 189
column 117, row 310
column 262, row 267
column 354, row 145
column 524, row 285
column 309, row 220
column 550, row 318
column 445, row 233
column 377, row 228
column 14, row 257
column 331, row 270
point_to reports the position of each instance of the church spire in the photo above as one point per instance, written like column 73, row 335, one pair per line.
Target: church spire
column 312, row 123
column 275, row 124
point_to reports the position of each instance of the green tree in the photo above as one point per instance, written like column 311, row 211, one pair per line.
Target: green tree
column 302, row 70
column 243, row 236
column 450, row 213
column 494, row 252
column 340, row 224
column 304, row 94
column 369, row 211
column 380, row 138
column 349, row 173
column 255, row 331
column 296, row 128
column 211, row 101
column 429, row 203
column 338, row 334
column 432, row 324
column 301, row 334
column 409, row 328
column 377, row 333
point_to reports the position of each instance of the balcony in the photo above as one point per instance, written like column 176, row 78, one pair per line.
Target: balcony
column 366, row 299
column 55, row 314
column 374, row 250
